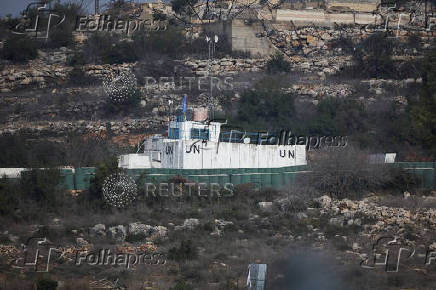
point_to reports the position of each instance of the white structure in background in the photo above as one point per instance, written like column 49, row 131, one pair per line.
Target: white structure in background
column 197, row 145
column 382, row 158
column 256, row 276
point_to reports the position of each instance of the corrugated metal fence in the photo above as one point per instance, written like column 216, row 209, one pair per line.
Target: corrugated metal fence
column 79, row 178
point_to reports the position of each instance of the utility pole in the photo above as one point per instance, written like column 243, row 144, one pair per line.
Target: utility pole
column 97, row 6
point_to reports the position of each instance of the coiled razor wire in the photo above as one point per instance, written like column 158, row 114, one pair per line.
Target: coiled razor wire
column 119, row 190
column 119, row 86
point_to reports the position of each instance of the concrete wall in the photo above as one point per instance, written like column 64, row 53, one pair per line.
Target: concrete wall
column 244, row 39
column 356, row 6
column 320, row 17
column 191, row 154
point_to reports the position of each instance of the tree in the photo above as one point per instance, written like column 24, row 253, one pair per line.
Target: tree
column 46, row 284
column 277, row 64
column 182, row 286
column 19, row 48
column 184, row 7
column 373, row 57
column 42, row 186
column 103, row 170
column 423, row 110
column 266, row 107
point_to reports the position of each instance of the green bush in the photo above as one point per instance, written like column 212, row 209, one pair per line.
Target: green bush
column 103, row 170
column 121, row 52
column 423, row 109
column 169, row 42
column 42, row 186
column 373, row 57
column 186, row 251
column 345, row 43
column 277, row 64
column 18, row 48
column 62, row 35
column 182, row 286
column 8, row 196
column 46, row 284
column 78, row 58
column 266, row 108
column 79, row 78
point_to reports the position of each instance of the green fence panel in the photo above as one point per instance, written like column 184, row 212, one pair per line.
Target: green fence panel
column 223, row 179
column 276, row 179
column 67, row 176
column 82, row 177
column 214, row 178
column 192, row 178
column 256, row 179
column 429, row 178
column 235, row 179
column 245, row 178
column 266, row 180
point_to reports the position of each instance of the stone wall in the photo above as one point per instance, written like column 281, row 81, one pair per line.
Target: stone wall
column 39, row 74
column 83, row 127
column 244, row 38
column 225, row 66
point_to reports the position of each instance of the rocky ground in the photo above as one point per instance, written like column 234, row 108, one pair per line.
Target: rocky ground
column 347, row 233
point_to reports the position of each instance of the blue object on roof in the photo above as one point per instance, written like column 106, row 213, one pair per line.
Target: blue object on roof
column 184, row 104
column 256, row 276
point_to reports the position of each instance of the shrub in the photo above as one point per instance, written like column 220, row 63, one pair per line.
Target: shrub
column 8, row 196
column 103, row 170
column 182, row 286
column 78, row 58
column 345, row 43
column 98, row 48
column 19, row 48
column 346, row 173
column 186, row 251
column 46, row 284
column 277, row 64
column 78, row 77
column 266, row 108
column 423, row 110
column 62, row 35
column 169, row 42
column 121, row 52
column 41, row 185
column 373, row 57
